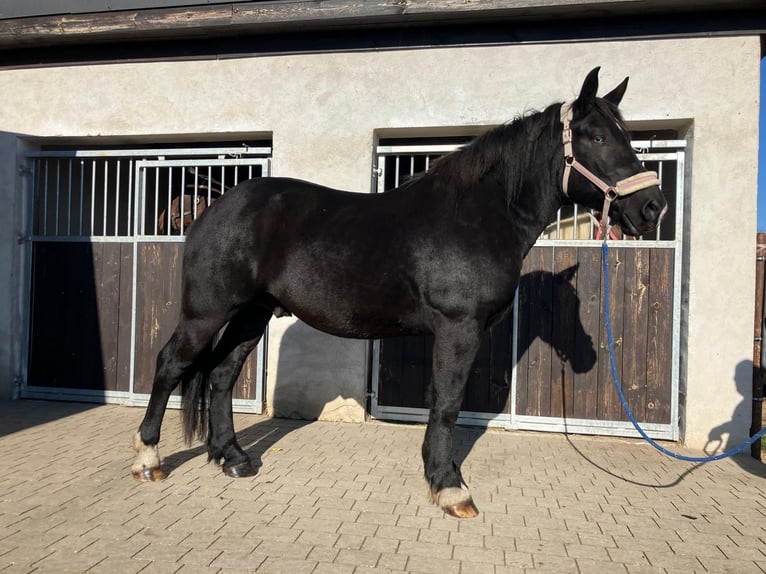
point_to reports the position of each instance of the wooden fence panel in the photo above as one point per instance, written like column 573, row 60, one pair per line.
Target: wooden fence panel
column 609, row 408
column 660, row 336
column 158, row 303
column 564, row 309
column 635, row 330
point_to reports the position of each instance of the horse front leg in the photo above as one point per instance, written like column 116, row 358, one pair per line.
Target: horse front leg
column 147, row 465
column 455, row 347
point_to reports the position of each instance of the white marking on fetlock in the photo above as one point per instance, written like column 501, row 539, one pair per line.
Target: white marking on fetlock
column 452, row 496
column 147, row 456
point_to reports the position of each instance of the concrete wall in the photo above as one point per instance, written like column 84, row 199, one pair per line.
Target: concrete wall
column 322, row 110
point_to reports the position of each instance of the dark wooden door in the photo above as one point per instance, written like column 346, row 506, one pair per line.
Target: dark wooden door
column 79, row 331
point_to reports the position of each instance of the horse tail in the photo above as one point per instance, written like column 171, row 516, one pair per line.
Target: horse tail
column 194, row 397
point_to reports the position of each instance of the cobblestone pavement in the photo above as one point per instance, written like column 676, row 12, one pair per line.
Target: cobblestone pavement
column 350, row 498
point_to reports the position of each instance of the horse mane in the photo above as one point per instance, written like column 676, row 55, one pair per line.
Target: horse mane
column 503, row 152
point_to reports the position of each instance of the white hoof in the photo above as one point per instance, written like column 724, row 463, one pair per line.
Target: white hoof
column 146, row 467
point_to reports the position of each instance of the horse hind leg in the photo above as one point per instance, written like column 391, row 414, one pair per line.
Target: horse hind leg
column 455, row 347
column 180, row 355
column 242, row 334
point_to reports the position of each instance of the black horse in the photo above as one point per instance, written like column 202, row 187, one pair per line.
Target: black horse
column 441, row 254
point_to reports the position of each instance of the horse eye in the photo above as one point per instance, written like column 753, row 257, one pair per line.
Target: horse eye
column 599, row 139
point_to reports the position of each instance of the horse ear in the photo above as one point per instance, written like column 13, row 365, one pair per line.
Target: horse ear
column 588, row 91
column 615, row 96
column 569, row 273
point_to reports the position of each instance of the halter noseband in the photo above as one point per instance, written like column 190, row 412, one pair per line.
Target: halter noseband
column 623, row 187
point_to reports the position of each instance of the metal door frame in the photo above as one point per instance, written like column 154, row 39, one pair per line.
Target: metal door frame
column 654, row 150
column 162, row 158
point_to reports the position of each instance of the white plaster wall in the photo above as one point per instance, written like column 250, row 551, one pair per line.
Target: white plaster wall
column 322, row 110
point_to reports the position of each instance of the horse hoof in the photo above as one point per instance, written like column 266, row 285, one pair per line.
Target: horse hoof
column 149, row 475
column 454, row 501
column 239, row 470
column 465, row 509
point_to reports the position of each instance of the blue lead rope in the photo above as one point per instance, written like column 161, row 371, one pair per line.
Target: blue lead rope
column 626, row 408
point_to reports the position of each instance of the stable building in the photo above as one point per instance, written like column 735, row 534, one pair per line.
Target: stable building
column 120, row 124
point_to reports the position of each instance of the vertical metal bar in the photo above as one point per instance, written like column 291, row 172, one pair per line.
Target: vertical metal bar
column 117, row 200
column 141, row 199
column 183, row 199
column 396, row 172
column 558, row 224
column 576, row 228
column 92, row 230
column 106, row 198
column 157, row 199
column 129, row 206
column 69, row 201
column 515, row 361
column 138, row 226
column 236, row 174
column 223, row 177
column 195, row 199
column 82, row 191
column 170, row 200
column 138, row 197
column 678, row 234
column 374, row 404
column 428, row 162
column 45, row 199
column 58, row 195
column 412, row 165
column 209, row 182
column 260, row 351
column 658, row 231
column 381, row 174
column 28, row 210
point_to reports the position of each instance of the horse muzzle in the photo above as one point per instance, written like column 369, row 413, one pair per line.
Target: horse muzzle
column 641, row 212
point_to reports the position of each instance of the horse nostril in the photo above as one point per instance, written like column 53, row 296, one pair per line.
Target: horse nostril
column 651, row 210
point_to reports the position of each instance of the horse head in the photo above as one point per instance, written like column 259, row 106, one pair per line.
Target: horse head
column 601, row 169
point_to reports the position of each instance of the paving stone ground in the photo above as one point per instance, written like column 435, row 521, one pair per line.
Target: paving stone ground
column 350, row 498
